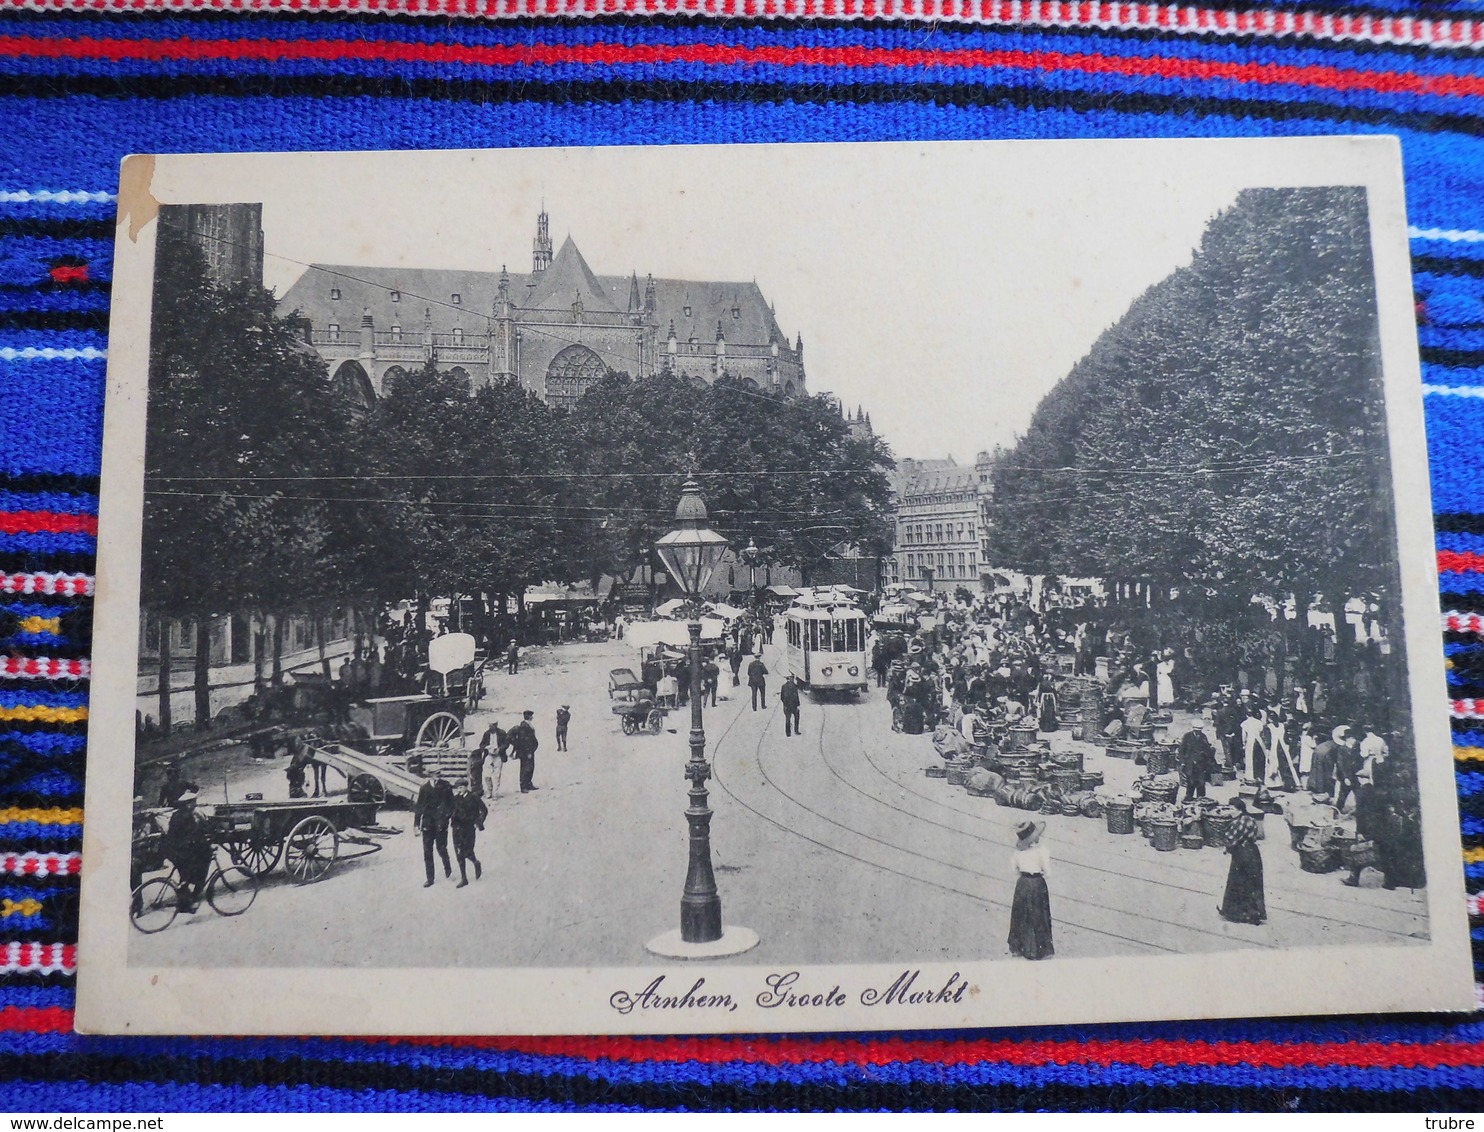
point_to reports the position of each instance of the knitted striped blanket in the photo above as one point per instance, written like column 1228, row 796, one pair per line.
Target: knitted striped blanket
column 83, row 82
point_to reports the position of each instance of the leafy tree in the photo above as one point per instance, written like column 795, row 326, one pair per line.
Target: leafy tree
column 241, row 419
column 1226, row 438
column 473, row 495
column 784, row 472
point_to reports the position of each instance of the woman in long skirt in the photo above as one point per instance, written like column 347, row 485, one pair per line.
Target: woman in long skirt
column 1030, row 913
column 1243, row 902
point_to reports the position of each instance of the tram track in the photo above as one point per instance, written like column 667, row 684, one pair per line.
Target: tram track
column 978, row 898
column 1297, row 902
column 726, row 750
column 1001, row 845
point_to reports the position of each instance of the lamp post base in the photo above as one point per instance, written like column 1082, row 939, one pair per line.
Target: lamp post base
column 733, row 941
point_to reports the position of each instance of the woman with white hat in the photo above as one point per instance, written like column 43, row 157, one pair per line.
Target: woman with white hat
column 1030, row 912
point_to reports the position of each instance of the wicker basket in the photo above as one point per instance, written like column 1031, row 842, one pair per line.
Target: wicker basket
column 1318, row 859
column 1120, row 815
column 1165, row 834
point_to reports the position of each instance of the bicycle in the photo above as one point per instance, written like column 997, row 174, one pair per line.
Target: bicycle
column 155, row 903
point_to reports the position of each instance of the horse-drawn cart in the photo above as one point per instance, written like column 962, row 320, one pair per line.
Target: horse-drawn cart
column 455, row 685
column 307, row 833
column 634, row 703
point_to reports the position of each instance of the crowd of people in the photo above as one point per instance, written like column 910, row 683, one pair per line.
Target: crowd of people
column 1295, row 727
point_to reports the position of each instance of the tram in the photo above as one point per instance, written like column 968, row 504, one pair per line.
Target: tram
column 825, row 642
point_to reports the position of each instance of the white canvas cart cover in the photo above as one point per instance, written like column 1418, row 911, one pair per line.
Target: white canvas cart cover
column 450, row 652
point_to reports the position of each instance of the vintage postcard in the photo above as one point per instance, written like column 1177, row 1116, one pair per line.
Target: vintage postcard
column 766, row 588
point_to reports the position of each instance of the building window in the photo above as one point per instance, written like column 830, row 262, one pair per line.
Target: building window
column 396, row 296
column 334, row 330
column 736, row 313
column 458, row 333
column 687, row 315
column 334, row 292
column 396, row 334
column 458, row 299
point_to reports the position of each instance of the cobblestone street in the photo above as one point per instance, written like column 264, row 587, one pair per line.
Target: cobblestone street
column 832, row 845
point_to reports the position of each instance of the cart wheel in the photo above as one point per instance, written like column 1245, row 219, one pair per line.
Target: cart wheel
column 153, row 905
column 630, row 725
column 309, row 850
column 232, row 890
column 255, row 857
column 655, row 722
column 365, row 788
column 441, row 729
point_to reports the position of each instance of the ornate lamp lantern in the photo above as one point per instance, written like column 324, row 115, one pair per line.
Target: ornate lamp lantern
column 691, row 551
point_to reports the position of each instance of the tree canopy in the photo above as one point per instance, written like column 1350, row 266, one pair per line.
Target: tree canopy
column 269, row 490
column 1227, row 436
column 242, row 426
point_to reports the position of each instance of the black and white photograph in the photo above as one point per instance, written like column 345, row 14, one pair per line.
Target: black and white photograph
column 766, row 588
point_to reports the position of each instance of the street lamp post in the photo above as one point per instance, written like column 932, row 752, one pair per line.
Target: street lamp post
column 691, row 551
column 750, row 554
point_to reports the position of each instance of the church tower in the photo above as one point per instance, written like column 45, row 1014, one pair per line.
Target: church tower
column 503, row 364
column 541, row 245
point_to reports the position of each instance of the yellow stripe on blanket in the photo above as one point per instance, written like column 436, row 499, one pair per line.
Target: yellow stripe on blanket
column 42, row 817
column 40, row 713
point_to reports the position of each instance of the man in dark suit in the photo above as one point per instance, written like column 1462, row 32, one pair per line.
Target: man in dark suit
column 757, row 680
column 188, row 845
column 523, row 742
column 431, row 817
column 788, row 696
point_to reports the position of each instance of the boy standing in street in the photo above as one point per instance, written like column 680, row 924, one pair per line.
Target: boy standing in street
column 563, row 717
column 469, row 812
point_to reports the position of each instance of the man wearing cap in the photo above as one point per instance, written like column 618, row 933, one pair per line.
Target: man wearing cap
column 788, row 696
column 563, row 718
column 757, row 680
column 188, row 845
column 523, row 742
column 512, row 658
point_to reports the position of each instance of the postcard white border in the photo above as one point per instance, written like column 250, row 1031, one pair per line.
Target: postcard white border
column 114, row 997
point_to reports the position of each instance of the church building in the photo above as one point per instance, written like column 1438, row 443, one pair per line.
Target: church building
column 556, row 330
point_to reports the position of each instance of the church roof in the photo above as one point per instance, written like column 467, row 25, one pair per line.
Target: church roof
column 452, row 299
column 568, row 280
column 417, row 289
column 696, row 307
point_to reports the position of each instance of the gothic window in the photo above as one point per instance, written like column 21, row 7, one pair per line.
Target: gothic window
column 458, row 334
column 334, row 293
column 350, row 382
column 570, row 374
column 461, row 374
column 392, row 376
column 687, row 312
column 396, row 334
column 334, row 329
column 457, row 299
